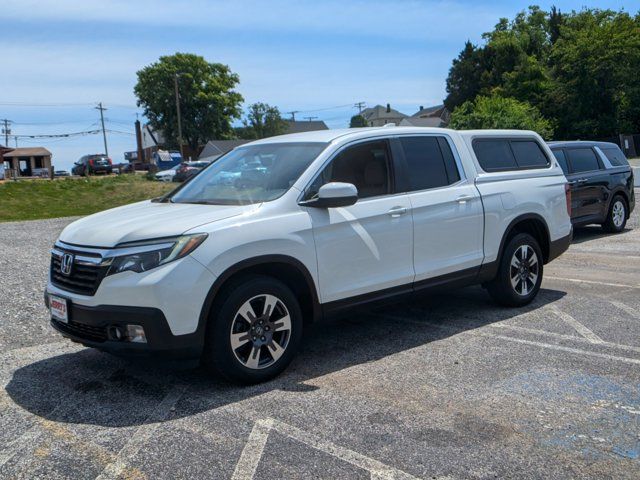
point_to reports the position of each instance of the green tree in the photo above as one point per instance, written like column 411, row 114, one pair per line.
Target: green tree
column 500, row 112
column 358, row 121
column 262, row 121
column 208, row 102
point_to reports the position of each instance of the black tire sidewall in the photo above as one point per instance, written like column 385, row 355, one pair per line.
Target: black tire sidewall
column 218, row 354
column 501, row 289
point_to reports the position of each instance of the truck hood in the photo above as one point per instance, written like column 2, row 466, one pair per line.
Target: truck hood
column 145, row 220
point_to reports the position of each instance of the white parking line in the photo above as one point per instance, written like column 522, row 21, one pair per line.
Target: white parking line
column 252, row 451
column 577, row 280
column 580, row 328
column 142, row 435
column 625, row 308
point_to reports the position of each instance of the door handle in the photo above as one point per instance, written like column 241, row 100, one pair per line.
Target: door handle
column 397, row 211
column 464, row 198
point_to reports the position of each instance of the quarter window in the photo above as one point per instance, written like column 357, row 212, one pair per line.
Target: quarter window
column 615, row 156
column 582, row 160
column 365, row 165
column 430, row 162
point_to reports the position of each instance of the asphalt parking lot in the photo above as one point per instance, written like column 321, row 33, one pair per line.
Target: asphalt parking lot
column 451, row 386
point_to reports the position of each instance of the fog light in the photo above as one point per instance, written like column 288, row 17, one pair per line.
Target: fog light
column 134, row 334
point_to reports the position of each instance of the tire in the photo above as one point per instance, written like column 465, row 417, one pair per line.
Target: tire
column 617, row 215
column 242, row 306
column 509, row 288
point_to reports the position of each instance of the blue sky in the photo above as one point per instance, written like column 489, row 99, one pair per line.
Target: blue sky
column 319, row 57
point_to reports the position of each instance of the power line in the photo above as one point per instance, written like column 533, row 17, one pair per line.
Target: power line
column 59, row 135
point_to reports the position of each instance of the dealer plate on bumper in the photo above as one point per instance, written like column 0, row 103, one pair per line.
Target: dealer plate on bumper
column 58, row 308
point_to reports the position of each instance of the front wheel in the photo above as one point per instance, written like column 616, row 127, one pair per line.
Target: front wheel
column 617, row 215
column 254, row 331
column 520, row 272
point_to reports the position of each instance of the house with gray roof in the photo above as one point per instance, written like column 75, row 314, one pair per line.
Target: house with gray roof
column 379, row 116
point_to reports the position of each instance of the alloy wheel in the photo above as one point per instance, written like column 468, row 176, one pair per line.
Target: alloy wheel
column 524, row 270
column 618, row 213
column 260, row 331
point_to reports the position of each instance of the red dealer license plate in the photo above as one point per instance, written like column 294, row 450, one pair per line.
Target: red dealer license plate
column 58, row 308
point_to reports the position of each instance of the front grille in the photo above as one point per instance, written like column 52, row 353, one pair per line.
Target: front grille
column 81, row 330
column 83, row 279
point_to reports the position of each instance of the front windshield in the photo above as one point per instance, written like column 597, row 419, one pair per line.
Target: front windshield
column 250, row 174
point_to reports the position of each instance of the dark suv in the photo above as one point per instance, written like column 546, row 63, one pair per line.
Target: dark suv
column 92, row 164
column 601, row 182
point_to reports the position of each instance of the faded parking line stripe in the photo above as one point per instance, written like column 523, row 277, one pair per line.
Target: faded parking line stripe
column 577, row 280
column 142, row 434
column 625, row 308
column 633, row 361
column 252, row 451
column 580, row 328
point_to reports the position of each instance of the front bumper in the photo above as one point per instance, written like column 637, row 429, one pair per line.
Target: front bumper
column 94, row 327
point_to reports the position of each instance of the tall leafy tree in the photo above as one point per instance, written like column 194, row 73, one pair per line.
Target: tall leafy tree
column 500, row 112
column 358, row 121
column 263, row 120
column 208, row 101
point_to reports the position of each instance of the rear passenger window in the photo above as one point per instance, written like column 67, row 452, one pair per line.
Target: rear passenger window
column 582, row 160
column 615, row 156
column 562, row 160
column 529, row 154
column 494, row 155
column 430, row 162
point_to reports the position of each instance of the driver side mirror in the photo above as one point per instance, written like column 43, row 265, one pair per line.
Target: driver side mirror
column 333, row 195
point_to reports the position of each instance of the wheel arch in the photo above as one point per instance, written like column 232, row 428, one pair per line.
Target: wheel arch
column 289, row 270
column 533, row 224
column 615, row 192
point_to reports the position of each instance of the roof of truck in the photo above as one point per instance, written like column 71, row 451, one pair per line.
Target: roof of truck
column 581, row 143
column 326, row 136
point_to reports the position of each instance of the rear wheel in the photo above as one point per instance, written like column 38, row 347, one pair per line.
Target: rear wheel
column 617, row 216
column 254, row 331
column 520, row 272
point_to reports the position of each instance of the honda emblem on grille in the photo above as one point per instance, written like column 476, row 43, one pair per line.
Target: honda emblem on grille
column 66, row 263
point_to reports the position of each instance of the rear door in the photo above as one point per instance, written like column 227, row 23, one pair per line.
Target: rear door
column 589, row 182
column 447, row 211
column 367, row 247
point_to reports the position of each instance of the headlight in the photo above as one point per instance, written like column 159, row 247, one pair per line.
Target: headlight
column 143, row 256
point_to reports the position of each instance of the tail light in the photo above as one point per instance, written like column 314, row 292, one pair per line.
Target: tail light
column 567, row 194
column 109, row 160
column 91, row 163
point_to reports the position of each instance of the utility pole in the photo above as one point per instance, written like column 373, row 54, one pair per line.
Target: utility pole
column 139, row 141
column 104, row 133
column 310, row 118
column 293, row 115
column 359, row 106
column 6, row 131
column 175, row 82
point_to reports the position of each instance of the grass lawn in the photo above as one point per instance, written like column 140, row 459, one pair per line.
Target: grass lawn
column 33, row 199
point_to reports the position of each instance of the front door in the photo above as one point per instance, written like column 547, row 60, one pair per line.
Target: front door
column 366, row 247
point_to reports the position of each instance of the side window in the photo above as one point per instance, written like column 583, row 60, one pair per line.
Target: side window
column 615, row 156
column 582, row 160
column 494, row 155
column 529, row 154
column 562, row 160
column 427, row 164
column 365, row 165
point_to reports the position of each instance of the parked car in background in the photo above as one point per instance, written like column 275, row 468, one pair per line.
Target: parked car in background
column 92, row 164
column 137, row 167
column 325, row 221
column 187, row 170
column 167, row 175
column 61, row 173
column 601, row 183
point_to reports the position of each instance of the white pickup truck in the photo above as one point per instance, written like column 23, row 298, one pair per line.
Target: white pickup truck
column 282, row 231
